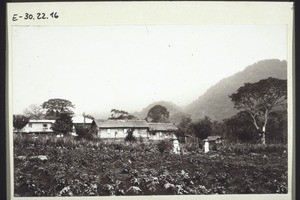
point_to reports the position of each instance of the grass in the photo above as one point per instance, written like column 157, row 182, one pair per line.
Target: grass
column 98, row 168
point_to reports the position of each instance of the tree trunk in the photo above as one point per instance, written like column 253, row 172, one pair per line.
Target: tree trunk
column 263, row 135
column 263, row 138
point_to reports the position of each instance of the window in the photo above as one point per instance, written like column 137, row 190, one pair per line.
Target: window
column 30, row 125
column 45, row 125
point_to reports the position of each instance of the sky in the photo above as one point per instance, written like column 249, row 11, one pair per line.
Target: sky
column 99, row 68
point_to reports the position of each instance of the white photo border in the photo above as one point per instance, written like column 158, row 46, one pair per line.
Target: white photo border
column 159, row 13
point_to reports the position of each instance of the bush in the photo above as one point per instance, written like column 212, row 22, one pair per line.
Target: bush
column 130, row 137
column 243, row 148
column 85, row 132
column 192, row 147
column 164, row 146
column 141, row 139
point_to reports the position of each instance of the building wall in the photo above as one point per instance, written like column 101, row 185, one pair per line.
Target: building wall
column 141, row 133
column 121, row 133
column 161, row 135
column 37, row 128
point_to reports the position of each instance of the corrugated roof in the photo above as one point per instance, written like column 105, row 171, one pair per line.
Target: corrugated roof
column 122, row 123
column 213, row 138
column 98, row 121
column 162, row 127
column 41, row 121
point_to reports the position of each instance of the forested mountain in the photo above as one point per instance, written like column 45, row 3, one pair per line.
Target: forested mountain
column 215, row 102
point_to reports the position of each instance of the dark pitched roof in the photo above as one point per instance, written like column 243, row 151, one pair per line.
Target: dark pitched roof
column 122, row 123
column 41, row 121
column 213, row 138
column 188, row 136
column 162, row 127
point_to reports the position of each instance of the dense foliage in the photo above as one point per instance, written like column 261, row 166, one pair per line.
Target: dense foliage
column 88, row 116
column 130, row 137
column 19, row 121
column 54, row 107
column 34, row 111
column 121, row 114
column 164, row 146
column 184, row 128
column 238, row 128
column 63, row 124
column 158, row 113
column 175, row 112
column 97, row 168
column 241, row 127
column 85, row 131
column 202, row 128
column 259, row 99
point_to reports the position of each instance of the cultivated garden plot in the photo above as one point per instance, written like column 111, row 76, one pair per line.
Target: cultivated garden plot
column 49, row 166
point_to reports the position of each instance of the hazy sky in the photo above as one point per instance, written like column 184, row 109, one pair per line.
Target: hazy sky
column 99, row 68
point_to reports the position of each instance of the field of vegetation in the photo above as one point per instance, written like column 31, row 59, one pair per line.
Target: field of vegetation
column 70, row 167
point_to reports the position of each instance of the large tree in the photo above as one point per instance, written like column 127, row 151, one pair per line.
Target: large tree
column 277, row 125
column 88, row 116
column 34, row 111
column 54, row 107
column 184, row 127
column 158, row 113
column 19, row 121
column 202, row 128
column 121, row 114
column 63, row 124
column 259, row 99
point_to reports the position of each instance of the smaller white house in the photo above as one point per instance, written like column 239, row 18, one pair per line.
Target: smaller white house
column 162, row 131
column 38, row 126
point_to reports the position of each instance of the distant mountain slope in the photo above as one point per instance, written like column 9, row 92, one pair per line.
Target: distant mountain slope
column 215, row 102
column 175, row 111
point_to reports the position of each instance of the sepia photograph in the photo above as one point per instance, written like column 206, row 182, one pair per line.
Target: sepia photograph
column 149, row 109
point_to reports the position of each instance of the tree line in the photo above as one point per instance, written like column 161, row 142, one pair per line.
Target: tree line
column 262, row 115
